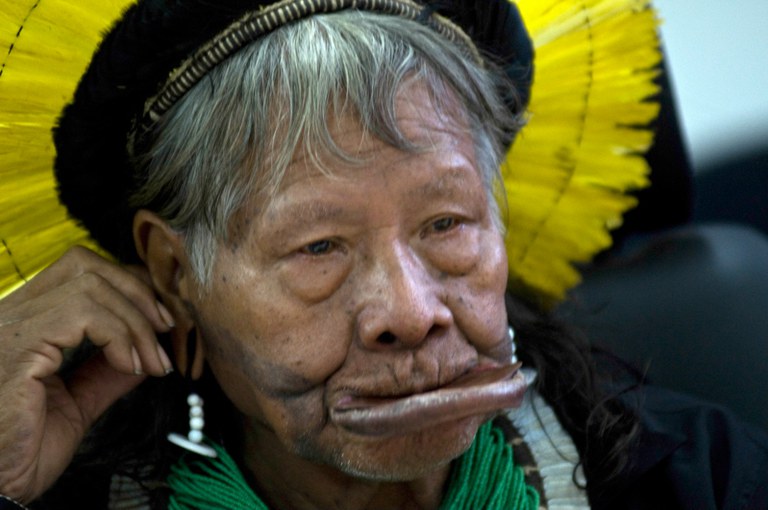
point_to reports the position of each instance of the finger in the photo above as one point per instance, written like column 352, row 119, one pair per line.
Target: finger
column 142, row 274
column 70, row 265
column 68, row 304
column 78, row 262
column 39, row 341
column 139, row 272
column 134, row 282
column 147, row 354
column 126, row 338
column 96, row 385
column 72, row 410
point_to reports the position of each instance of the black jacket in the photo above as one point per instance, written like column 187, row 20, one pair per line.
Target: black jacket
column 690, row 455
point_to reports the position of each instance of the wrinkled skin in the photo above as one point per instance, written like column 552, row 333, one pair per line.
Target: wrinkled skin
column 42, row 419
column 386, row 279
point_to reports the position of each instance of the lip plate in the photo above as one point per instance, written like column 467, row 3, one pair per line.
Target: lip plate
column 477, row 392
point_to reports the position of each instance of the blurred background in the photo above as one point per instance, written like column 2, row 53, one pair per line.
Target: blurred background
column 683, row 294
column 717, row 57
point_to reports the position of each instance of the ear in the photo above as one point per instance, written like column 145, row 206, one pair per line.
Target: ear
column 163, row 252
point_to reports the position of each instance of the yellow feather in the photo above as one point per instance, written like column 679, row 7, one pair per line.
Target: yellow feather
column 46, row 47
column 568, row 171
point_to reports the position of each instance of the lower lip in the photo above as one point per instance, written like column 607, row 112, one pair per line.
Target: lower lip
column 481, row 391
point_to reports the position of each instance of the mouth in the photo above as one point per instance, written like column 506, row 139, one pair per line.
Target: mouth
column 480, row 391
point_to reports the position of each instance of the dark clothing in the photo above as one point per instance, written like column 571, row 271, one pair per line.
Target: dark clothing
column 690, row 455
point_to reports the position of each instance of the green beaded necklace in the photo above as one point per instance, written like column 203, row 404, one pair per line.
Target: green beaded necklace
column 485, row 476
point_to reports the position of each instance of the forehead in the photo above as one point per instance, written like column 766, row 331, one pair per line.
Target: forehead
column 439, row 161
column 423, row 126
column 437, row 128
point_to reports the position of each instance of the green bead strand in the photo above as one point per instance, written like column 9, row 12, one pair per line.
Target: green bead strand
column 485, row 476
column 216, row 484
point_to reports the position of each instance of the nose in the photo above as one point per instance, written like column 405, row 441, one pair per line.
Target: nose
column 402, row 303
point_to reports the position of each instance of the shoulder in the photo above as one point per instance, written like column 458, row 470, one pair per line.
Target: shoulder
column 691, row 454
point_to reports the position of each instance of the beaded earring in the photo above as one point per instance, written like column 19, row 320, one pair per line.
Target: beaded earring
column 513, row 357
column 193, row 441
column 528, row 373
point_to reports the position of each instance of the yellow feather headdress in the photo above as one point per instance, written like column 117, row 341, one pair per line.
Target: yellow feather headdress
column 565, row 177
column 46, row 47
column 567, row 174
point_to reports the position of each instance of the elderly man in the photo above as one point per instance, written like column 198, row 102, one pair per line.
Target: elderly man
column 311, row 199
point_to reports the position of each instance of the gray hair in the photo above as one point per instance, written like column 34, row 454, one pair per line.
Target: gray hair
column 237, row 130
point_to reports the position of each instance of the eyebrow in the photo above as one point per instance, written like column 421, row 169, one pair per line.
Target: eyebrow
column 319, row 212
column 311, row 212
column 447, row 185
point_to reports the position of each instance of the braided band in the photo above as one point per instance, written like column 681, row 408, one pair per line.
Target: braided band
column 255, row 24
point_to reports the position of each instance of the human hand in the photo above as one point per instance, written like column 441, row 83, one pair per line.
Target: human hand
column 43, row 418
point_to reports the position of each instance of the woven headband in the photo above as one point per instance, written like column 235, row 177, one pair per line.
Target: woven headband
column 256, row 24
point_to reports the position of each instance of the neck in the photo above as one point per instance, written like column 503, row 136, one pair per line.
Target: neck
column 286, row 481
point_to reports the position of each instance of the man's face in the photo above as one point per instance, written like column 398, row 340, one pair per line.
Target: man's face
column 383, row 280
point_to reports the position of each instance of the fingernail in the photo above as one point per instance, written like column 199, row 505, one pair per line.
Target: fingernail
column 137, row 370
column 165, row 360
column 165, row 314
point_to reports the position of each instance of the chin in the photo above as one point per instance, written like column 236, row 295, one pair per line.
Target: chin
column 407, row 457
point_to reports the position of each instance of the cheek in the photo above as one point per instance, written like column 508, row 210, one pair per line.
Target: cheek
column 477, row 298
column 262, row 354
column 236, row 368
column 278, row 397
column 313, row 279
column 288, row 418
column 495, row 267
column 459, row 254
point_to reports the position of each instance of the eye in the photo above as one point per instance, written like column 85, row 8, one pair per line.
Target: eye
column 441, row 226
column 444, row 224
column 321, row 247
